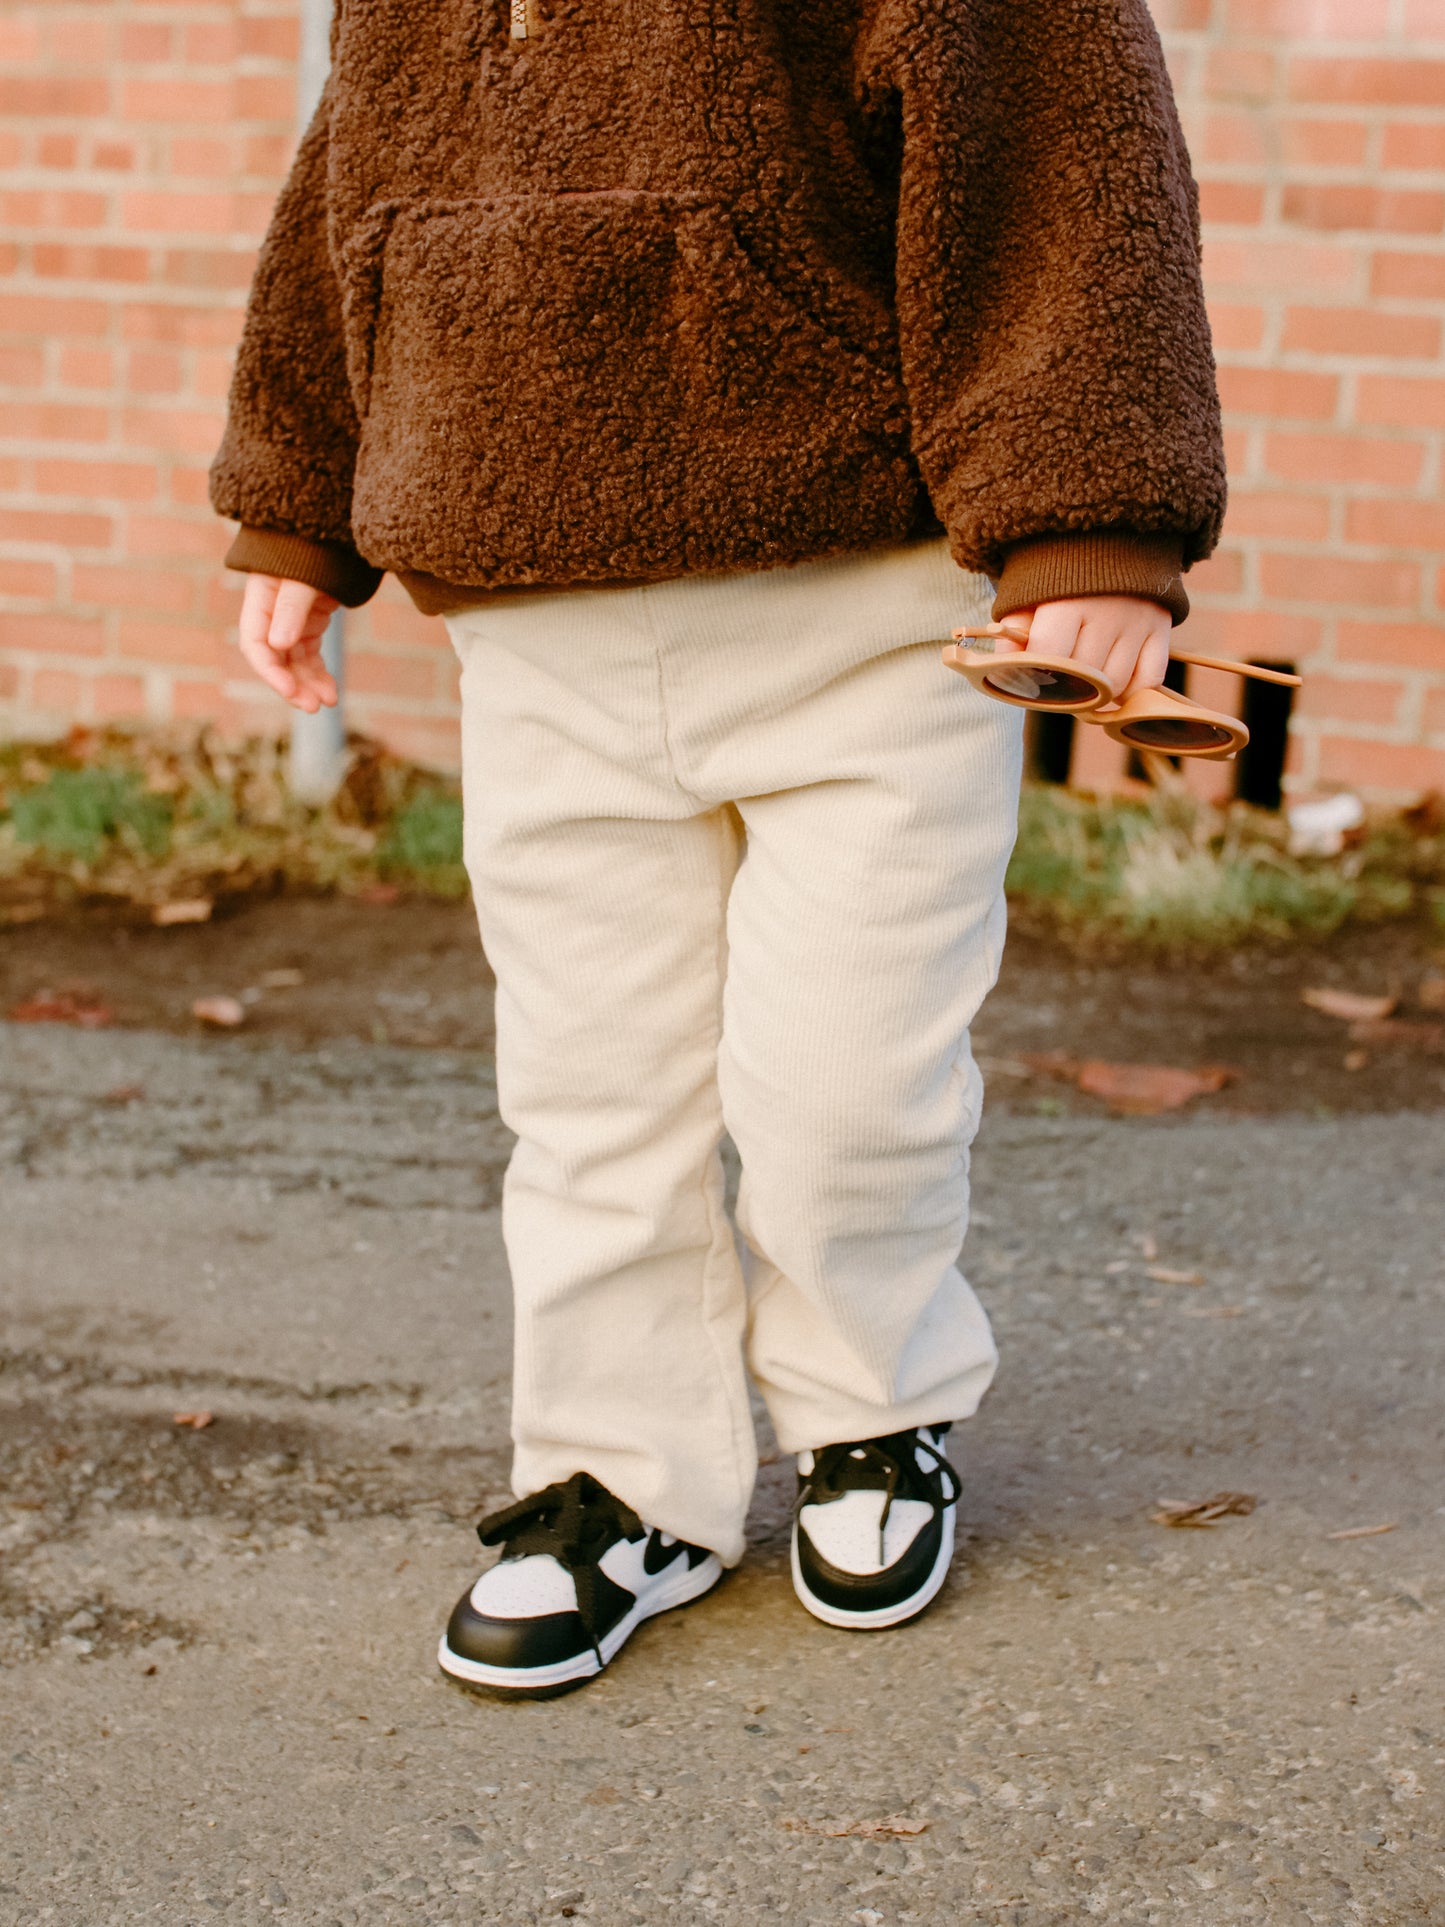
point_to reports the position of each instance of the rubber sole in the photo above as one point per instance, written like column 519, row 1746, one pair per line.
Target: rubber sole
column 881, row 1616
column 543, row 1682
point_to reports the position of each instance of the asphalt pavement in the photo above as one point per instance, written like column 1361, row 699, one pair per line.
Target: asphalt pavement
column 219, row 1700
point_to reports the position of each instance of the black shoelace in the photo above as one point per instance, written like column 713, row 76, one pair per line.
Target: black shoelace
column 574, row 1523
column 888, row 1465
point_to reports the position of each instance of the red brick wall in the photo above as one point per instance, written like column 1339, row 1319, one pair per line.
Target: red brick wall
column 141, row 146
column 143, row 141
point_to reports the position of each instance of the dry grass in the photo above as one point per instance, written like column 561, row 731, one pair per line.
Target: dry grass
column 159, row 818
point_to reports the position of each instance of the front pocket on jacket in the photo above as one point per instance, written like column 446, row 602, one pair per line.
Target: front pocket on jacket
column 565, row 387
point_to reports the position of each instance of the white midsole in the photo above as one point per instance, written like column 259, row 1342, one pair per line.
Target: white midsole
column 691, row 1583
column 880, row 1616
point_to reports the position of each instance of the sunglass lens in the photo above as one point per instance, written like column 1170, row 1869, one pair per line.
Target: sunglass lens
column 1176, row 736
column 1048, row 688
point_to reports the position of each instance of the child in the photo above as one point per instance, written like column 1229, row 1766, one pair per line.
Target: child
column 705, row 366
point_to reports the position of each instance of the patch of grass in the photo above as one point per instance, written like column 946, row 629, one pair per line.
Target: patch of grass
column 147, row 818
column 1170, row 873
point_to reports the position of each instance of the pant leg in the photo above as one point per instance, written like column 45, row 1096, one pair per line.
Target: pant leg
column 600, row 887
column 865, row 927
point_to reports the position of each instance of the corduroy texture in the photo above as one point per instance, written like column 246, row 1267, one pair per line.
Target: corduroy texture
column 737, row 847
column 666, row 291
column 1052, row 567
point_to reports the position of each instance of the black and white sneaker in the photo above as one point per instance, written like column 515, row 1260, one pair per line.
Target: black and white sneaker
column 873, row 1527
column 579, row 1572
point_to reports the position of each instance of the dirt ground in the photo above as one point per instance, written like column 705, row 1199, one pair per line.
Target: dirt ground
column 411, row 973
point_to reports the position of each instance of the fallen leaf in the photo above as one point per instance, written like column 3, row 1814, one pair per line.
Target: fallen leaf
column 281, row 979
column 197, row 1421
column 1431, row 994
column 1204, row 1512
column 183, row 910
column 379, row 893
column 225, row 1011
column 1350, row 1006
column 22, row 913
column 894, row 1826
column 1356, row 1060
column 1162, row 1275
column 1132, row 1090
column 64, row 1007
column 123, row 1094
column 1364, row 1532
column 1148, row 1245
column 1391, row 1030
column 1212, row 1311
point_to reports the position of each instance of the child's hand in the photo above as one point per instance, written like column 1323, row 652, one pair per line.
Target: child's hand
column 1125, row 636
column 282, row 624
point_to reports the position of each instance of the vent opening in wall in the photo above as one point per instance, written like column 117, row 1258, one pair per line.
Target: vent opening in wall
column 1049, row 747
column 1267, row 708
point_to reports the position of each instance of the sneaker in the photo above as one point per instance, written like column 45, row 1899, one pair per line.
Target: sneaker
column 578, row 1573
column 873, row 1527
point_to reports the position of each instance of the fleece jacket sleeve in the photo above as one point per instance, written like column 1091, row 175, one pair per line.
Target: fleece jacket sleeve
column 286, row 464
column 1054, row 338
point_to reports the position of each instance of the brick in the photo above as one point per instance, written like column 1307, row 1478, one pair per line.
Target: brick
column 1368, row 82
column 266, row 97
column 1424, row 20
column 1324, row 143
column 1340, row 579
column 190, row 487
column 1391, row 771
column 1414, row 146
column 24, row 96
column 72, row 531
column 138, row 638
column 39, row 314
column 53, row 421
column 60, row 690
column 1361, row 331
column 1240, row 73
column 147, row 41
column 63, row 261
column 189, row 431
column 1409, row 401
column 369, row 674
column 1234, row 139
column 187, row 327
column 19, row 39
column 22, row 365
column 1313, row 19
column 1391, row 210
column 173, row 211
column 155, row 371
column 1434, row 712
column 1375, row 703
column 122, row 481
column 82, row 365
column 205, row 156
column 117, row 696
column 58, row 150
column 1401, row 645
column 208, row 102
column 1236, row 325
column 211, row 42
column 115, row 157
column 1284, row 267
column 204, row 539
column 123, row 586
column 275, row 35
column 1344, row 458
column 1255, row 635
column 1240, row 203
column 36, row 580
column 1221, row 574
column 59, row 635
column 210, row 268
column 1280, row 514
column 1279, row 392
column 1408, row 277
column 1384, row 522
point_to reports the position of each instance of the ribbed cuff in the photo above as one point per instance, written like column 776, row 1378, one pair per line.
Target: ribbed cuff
column 1050, row 568
column 333, row 567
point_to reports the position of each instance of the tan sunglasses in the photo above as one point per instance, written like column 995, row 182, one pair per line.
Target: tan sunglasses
column 1151, row 719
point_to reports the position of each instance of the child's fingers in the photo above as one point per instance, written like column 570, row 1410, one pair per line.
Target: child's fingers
column 300, row 613
column 1140, row 663
column 257, row 609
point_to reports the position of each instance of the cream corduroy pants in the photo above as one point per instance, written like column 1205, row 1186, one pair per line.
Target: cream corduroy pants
column 737, row 845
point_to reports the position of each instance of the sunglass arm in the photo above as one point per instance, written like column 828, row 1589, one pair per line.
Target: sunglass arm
column 1250, row 669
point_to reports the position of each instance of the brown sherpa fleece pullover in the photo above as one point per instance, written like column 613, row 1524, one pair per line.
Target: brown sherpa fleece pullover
column 587, row 291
